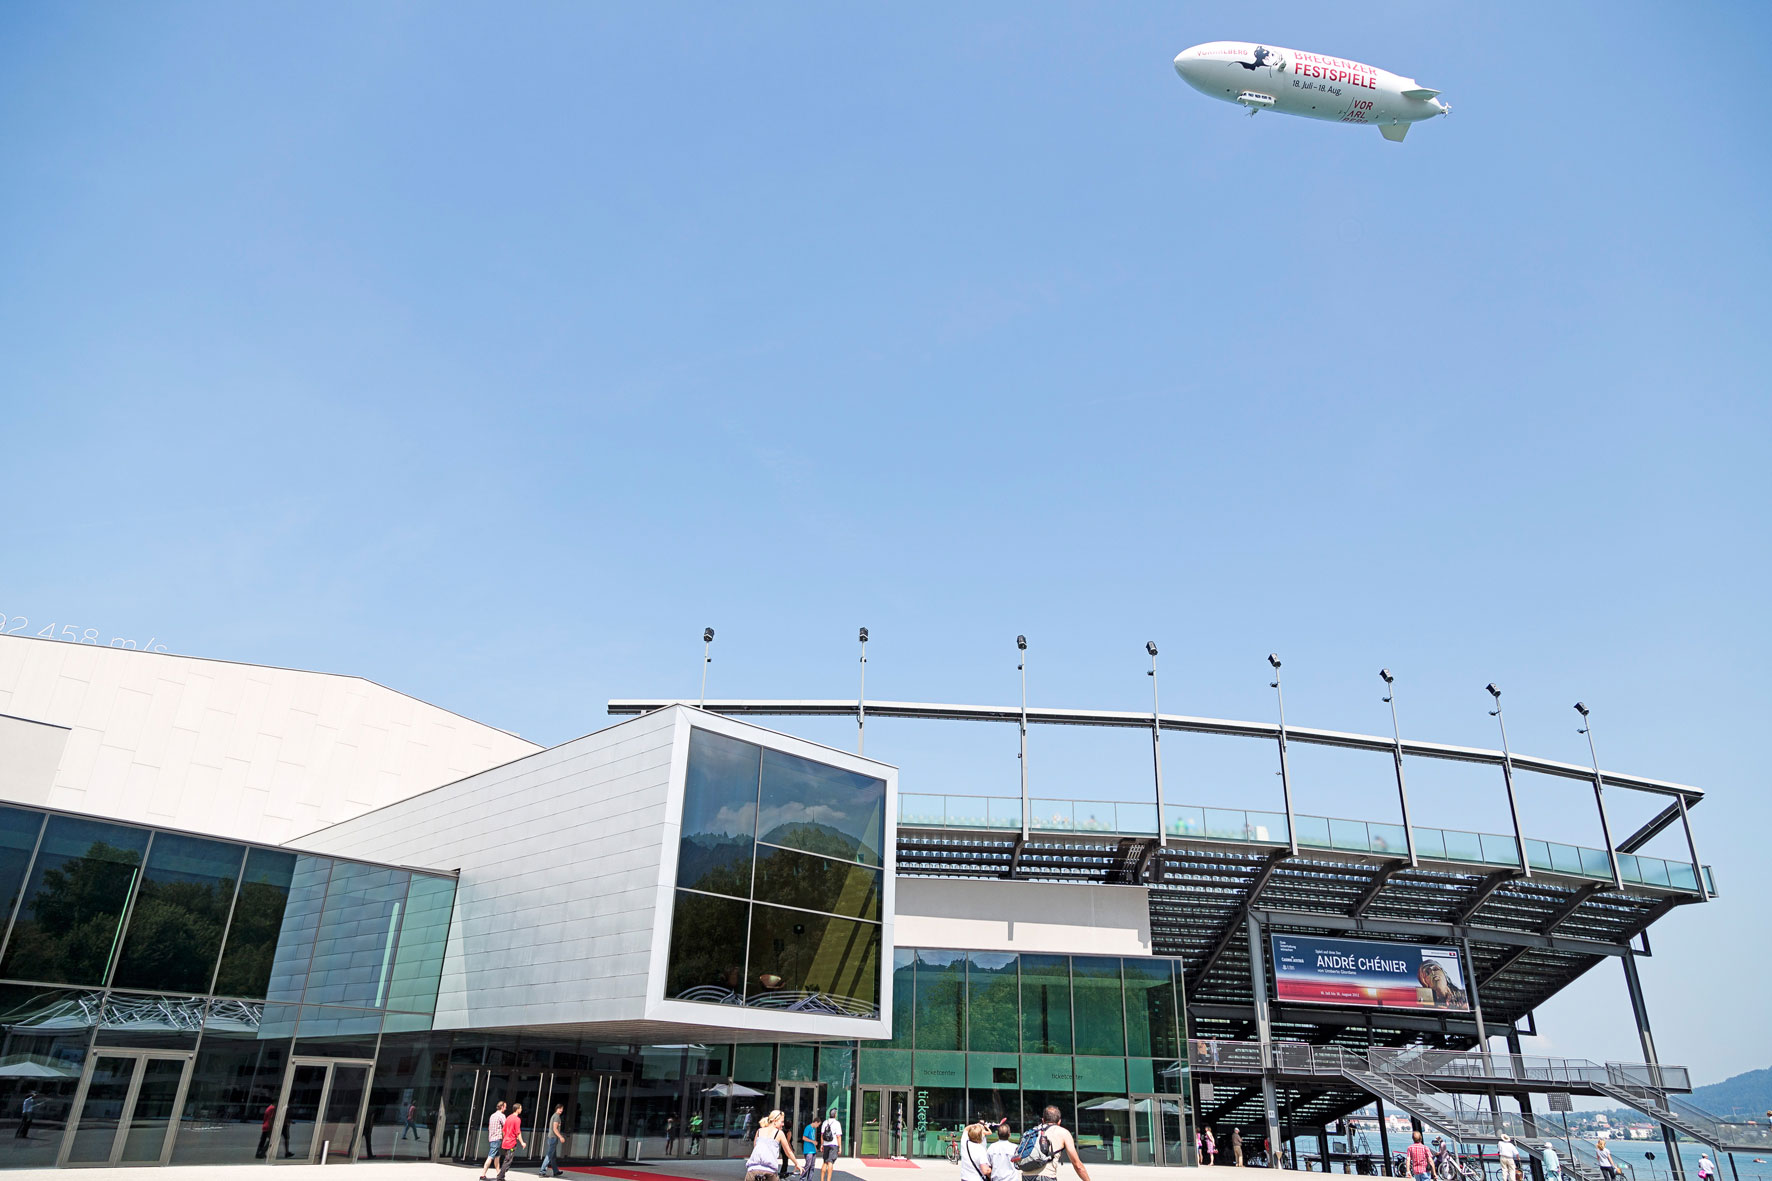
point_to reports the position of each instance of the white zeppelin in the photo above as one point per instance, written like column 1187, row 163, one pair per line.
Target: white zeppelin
column 1314, row 85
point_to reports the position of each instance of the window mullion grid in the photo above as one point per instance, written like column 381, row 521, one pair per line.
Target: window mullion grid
column 25, row 881
column 141, row 875
column 744, row 983
column 228, row 925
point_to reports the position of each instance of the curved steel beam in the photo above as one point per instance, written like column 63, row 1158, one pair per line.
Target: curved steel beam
column 932, row 711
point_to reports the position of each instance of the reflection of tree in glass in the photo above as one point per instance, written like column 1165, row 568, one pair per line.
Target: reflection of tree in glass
column 175, row 931
column 252, row 940
column 72, row 916
column 719, row 864
column 707, row 945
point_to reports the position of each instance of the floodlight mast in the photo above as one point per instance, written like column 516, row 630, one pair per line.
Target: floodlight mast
column 707, row 658
column 1021, row 645
column 1587, row 728
column 1507, row 775
column 1390, row 699
column 1156, row 739
column 861, row 712
column 1285, row 772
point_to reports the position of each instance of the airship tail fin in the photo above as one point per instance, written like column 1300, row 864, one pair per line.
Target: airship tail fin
column 1393, row 131
column 1420, row 92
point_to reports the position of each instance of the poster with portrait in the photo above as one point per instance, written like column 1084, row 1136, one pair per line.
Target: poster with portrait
column 1368, row 973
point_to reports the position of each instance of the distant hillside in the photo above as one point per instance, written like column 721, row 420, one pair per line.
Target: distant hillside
column 1741, row 1097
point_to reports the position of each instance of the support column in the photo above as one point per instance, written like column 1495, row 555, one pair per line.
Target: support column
column 1528, row 1118
column 1264, row 1031
column 1384, row 1135
column 1470, row 970
column 1640, row 1010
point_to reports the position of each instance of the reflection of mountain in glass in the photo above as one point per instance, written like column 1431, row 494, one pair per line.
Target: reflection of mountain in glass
column 813, row 837
column 718, row 864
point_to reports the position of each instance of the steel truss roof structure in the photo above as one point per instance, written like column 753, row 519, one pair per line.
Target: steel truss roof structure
column 1528, row 936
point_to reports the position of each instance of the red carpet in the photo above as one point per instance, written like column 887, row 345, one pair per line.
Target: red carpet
column 874, row 1162
column 628, row 1174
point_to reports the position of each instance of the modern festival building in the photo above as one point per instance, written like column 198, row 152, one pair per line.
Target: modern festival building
column 255, row 915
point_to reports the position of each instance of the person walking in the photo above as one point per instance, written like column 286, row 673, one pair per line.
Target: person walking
column 495, row 1137
column 1707, row 1168
column 670, row 1134
column 1553, row 1168
column 411, row 1121
column 1042, row 1147
column 1509, row 1156
column 511, row 1140
column 1211, row 1148
column 1237, row 1147
column 553, row 1147
column 770, row 1150
column 264, row 1131
column 1002, row 1153
column 1418, row 1162
column 809, row 1146
column 1608, row 1166
column 27, row 1111
column 830, row 1143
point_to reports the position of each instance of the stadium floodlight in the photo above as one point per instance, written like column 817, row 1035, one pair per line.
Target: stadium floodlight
column 861, row 696
column 1390, row 699
column 1587, row 728
column 1507, row 775
column 1021, row 643
column 1150, row 646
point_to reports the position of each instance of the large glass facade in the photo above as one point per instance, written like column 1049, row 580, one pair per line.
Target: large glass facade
column 995, row 1035
column 141, row 965
column 779, row 882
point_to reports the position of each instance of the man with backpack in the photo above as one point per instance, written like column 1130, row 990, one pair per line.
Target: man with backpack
column 1042, row 1147
column 830, row 1142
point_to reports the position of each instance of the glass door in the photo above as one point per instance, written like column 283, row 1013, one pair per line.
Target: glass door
column 338, row 1132
column 799, row 1104
column 596, row 1116
column 124, row 1109
column 884, row 1128
column 1157, row 1133
column 320, row 1118
column 463, row 1141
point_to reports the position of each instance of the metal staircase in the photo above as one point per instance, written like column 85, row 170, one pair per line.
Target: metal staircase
column 1447, row 1114
column 1687, row 1118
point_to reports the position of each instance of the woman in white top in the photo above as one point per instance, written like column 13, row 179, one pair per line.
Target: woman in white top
column 770, row 1148
column 1608, row 1167
column 975, row 1158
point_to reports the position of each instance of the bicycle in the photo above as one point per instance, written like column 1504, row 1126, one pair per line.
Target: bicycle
column 952, row 1141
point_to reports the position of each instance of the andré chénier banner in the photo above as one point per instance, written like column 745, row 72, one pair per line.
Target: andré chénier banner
column 1369, row 973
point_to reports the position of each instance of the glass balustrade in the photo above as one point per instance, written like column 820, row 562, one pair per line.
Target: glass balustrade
column 1246, row 826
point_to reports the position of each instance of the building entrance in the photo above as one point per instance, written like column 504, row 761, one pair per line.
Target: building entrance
column 125, row 1106
column 594, row 1122
column 1157, row 1131
column 884, row 1128
column 320, row 1111
column 799, row 1104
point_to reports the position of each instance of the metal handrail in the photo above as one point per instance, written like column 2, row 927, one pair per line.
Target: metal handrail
column 1425, row 1064
column 1249, row 826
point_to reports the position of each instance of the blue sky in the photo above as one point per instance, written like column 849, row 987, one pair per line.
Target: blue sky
column 493, row 352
